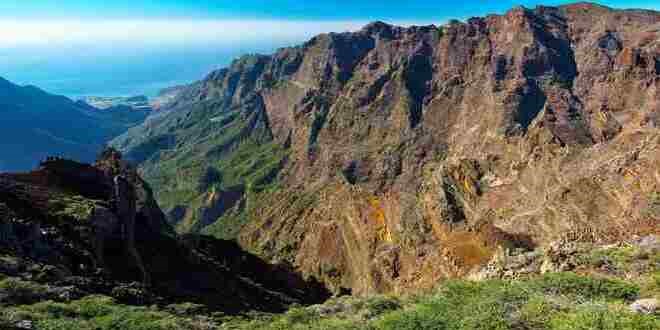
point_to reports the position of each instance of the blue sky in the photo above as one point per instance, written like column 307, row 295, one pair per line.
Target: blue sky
column 72, row 23
column 122, row 47
column 275, row 9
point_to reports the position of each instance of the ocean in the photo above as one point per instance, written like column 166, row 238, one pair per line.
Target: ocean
column 120, row 70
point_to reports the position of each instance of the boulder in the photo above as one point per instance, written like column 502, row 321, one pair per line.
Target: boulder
column 645, row 306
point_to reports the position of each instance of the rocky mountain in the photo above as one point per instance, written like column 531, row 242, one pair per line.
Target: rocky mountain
column 36, row 124
column 391, row 158
column 165, row 96
column 71, row 230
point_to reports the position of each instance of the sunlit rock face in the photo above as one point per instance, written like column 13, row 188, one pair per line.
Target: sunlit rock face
column 391, row 158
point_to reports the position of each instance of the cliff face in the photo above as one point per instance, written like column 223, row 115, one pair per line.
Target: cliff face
column 390, row 158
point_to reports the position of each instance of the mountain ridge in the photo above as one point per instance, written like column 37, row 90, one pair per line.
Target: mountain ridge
column 390, row 158
column 37, row 124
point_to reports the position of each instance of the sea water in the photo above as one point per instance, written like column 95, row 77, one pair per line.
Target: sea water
column 121, row 70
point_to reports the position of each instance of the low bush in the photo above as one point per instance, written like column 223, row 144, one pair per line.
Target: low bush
column 16, row 292
column 586, row 287
column 603, row 317
column 551, row 302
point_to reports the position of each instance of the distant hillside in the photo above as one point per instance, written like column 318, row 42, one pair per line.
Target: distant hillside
column 36, row 124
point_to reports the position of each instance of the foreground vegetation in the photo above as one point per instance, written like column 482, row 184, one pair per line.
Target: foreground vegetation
column 552, row 301
column 96, row 312
column 556, row 301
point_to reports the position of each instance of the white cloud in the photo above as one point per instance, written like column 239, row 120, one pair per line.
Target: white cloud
column 40, row 32
column 15, row 33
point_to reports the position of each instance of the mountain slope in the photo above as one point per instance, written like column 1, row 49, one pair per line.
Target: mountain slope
column 36, row 124
column 76, row 230
column 391, row 158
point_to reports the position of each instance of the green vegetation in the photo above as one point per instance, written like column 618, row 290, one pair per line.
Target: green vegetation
column 554, row 301
column 192, row 156
column 71, row 207
column 629, row 260
column 651, row 285
column 251, row 169
column 20, row 292
column 98, row 313
column 584, row 287
column 228, row 226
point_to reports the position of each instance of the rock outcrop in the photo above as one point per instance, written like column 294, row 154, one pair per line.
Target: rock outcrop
column 390, row 158
column 645, row 306
column 74, row 229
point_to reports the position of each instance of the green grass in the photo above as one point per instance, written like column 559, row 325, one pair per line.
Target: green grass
column 553, row 301
column 619, row 257
column 603, row 317
column 585, row 287
column 560, row 301
column 17, row 291
column 650, row 285
column 252, row 165
column 97, row 313
column 182, row 177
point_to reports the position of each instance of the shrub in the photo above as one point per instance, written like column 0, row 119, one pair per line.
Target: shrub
column 651, row 285
column 420, row 318
column 461, row 305
column 586, row 287
column 63, row 324
column 600, row 316
column 94, row 306
column 379, row 305
column 18, row 292
column 537, row 312
column 53, row 309
column 97, row 313
column 619, row 257
column 300, row 315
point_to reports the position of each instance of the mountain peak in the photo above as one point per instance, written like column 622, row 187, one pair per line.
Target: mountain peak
column 586, row 5
column 378, row 28
column 404, row 141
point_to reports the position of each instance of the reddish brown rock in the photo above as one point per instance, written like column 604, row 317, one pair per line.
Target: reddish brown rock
column 414, row 153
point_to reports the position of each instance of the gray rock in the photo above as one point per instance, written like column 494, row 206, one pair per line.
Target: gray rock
column 645, row 306
column 649, row 244
column 10, row 266
column 25, row 324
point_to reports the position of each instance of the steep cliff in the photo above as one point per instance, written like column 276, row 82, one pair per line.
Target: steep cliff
column 391, row 158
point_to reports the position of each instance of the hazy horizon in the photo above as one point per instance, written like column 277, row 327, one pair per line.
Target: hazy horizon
column 80, row 48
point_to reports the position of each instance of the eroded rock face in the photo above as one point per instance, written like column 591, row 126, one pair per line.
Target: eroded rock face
column 413, row 154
